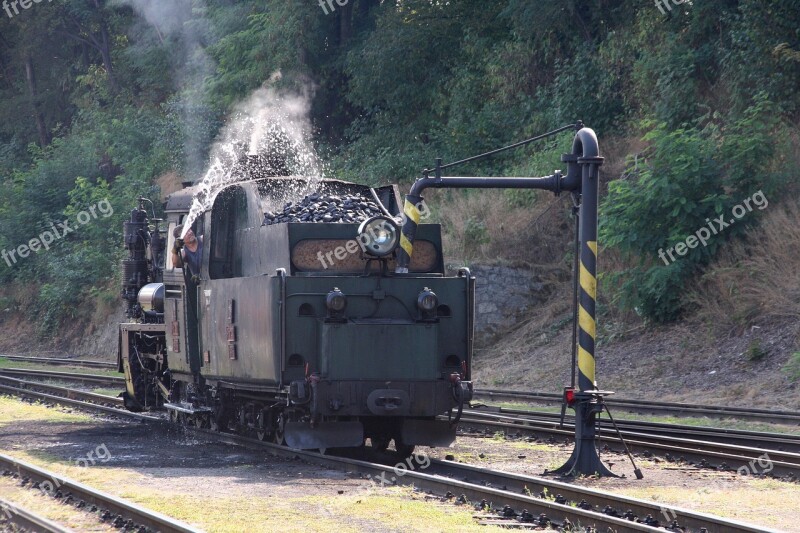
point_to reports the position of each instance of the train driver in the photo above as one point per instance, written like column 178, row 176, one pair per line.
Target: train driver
column 188, row 250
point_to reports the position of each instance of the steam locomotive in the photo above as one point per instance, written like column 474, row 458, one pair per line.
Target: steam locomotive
column 296, row 331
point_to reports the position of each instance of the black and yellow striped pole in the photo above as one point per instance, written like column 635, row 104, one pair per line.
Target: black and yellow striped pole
column 587, row 401
column 587, row 294
column 411, row 218
column 582, row 179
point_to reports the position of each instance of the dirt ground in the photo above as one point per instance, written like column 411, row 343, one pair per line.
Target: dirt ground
column 212, row 486
column 683, row 362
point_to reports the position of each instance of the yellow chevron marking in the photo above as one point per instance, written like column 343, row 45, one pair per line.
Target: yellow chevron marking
column 126, row 365
column 406, row 245
column 593, row 246
column 588, row 282
column 411, row 212
column 586, row 321
column 586, row 363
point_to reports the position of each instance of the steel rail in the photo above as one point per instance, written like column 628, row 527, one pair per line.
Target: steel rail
column 540, row 506
column 61, row 361
column 516, row 491
column 644, row 406
column 675, row 449
column 68, row 393
column 779, row 441
column 26, row 520
column 556, row 513
column 51, row 482
column 78, row 403
column 594, row 499
column 65, row 376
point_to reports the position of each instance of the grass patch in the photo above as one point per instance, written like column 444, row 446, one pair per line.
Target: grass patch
column 760, row 501
column 12, row 410
column 532, row 446
column 792, row 367
column 107, row 392
column 722, row 423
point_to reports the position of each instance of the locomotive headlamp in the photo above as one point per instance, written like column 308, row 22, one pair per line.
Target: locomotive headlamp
column 336, row 301
column 379, row 236
column 427, row 302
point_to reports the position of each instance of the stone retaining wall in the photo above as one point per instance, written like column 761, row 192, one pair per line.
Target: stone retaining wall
column 503, row 295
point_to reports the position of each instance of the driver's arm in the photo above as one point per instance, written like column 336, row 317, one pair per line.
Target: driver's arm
column 177, row 256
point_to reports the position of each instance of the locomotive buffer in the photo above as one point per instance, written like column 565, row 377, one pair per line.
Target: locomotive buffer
column 582, row 180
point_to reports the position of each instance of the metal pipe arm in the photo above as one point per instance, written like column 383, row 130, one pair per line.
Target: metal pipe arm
column 549, row 183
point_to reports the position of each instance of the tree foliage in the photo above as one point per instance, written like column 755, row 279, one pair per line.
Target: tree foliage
column 100, row 97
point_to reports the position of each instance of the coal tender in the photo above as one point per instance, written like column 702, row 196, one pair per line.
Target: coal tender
column 297, row 328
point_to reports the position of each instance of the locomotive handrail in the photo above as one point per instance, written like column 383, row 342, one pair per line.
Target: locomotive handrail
column 281, row 273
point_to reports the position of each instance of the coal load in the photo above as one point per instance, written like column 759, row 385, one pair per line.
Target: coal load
column 325, row 208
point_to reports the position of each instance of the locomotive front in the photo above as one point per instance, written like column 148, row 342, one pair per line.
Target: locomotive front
column 387, row 352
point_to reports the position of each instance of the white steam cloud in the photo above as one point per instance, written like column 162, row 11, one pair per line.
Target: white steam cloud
column 269, row 134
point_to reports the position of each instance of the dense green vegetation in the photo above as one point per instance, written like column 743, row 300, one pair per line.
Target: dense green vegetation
column 99, row 98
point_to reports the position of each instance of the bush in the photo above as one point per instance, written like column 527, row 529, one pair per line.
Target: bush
column 792, row 367
column 685, row 178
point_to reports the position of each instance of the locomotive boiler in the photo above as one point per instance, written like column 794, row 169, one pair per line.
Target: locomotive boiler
column 298, row 328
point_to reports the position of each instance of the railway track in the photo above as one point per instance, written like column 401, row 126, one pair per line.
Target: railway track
column 754, row 452
column 778, row 441
column 650, row 407
column 62, row 392
column 525, row 500
column 92, row 379
column 60, row 361
column 15, row 518
column 116, row 511
column 703, row 453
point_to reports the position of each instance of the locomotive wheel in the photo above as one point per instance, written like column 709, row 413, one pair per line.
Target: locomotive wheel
column 403, row 450
column 263, row 433
column 176, row 417
column 201, row 421
column 218, row 419
column 280, row 430
column 379, row 444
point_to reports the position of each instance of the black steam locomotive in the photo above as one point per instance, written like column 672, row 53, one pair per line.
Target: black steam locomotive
column 297, row 328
